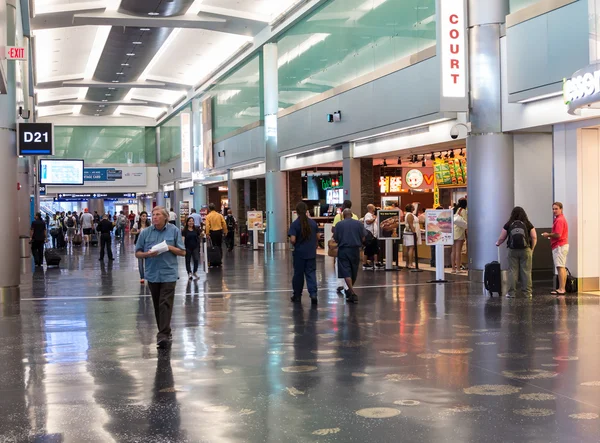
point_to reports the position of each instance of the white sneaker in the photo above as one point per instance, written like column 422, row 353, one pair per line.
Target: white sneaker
column 196, row 276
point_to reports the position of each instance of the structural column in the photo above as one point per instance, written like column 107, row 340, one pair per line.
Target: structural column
column 490, row 152
column 233, row 194
column 9, row 252
column 199, row 196
column 96, row 205
column 352, row 179
column 276, row 183
column 160, row 198
column 176, row 201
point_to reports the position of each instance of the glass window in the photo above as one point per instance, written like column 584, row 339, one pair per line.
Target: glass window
column 346, row 39
column 170, row 137
column 515, row 5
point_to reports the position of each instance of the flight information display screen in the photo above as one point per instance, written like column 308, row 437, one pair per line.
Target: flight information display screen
column 61, row 172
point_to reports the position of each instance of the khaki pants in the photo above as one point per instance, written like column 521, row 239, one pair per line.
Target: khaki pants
column 519, row 267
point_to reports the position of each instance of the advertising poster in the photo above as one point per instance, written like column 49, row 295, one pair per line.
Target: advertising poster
column 255, row 220
column 451, row 172
column 388, row 223
column 123, row 176
column 439, row 227
column 418, row 179
column 184, row 212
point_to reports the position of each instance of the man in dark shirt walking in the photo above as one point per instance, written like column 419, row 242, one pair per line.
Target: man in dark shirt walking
column 350, row 236
column 37, row 239
column 105, row 227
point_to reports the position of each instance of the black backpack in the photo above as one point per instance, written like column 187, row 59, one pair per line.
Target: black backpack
column 230, row 222
column 518, row 237
column 70, row 222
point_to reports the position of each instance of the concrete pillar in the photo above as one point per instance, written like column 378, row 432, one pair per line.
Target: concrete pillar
column 178, row 198
column 276, row 181
column 232, row 193
column 352, row 178
column 96, row 204
column 247, row 204
column 199, row 196
column 9, row 252
column 490, row 152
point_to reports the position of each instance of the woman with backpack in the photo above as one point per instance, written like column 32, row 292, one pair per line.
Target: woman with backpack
column 138, row 227
column 522, row 239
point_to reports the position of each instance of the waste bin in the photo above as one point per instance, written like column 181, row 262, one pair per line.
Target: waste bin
column 25, row 246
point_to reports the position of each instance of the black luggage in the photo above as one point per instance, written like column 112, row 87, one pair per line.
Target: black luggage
column 52, row 257
column 213, row 254
column 94, row 239
column 492, row 277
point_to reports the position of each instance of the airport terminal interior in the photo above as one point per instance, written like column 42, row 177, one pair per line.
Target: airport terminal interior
column 299, row 221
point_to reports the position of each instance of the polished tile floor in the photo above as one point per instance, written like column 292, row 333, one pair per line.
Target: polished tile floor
column 412, row 362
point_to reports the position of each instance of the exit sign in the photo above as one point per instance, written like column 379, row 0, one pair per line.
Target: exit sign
column 14, row 53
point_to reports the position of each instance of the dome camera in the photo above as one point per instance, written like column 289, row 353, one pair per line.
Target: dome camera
column 454, row 132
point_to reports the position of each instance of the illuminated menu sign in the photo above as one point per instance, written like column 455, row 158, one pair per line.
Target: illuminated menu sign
column 390, row 185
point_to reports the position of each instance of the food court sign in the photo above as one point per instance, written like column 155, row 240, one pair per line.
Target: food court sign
column 582, row 89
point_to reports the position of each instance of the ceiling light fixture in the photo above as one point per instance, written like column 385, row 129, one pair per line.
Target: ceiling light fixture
column 136, row 43
column 130, row 54
column 447, row 155
column 153, row 13
column 423, row 162
column 144, row 29
column 111, row 89
column 124, row 64
column 115, row 81
column 120, row 73
column 96, row 115
column 384, row 163
column 452, row 154
column 432, row 158
column 399, row 160
column 462, row 153
column 439, row 155
column 104, row 100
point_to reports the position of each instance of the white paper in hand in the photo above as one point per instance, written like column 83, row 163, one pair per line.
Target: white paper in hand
column 160, row 247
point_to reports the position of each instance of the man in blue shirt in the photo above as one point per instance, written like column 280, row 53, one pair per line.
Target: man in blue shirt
column 303, row 235
column 197, row 218
column 161, row 270
column 349, row 235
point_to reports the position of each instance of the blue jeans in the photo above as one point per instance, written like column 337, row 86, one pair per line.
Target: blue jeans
column 305, row 268
column 141, row 267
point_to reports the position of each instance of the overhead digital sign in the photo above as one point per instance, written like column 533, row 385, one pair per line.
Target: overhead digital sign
column 35, row 138
column 61, row 172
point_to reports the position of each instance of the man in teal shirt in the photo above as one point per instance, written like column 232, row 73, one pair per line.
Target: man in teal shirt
column 162, row 270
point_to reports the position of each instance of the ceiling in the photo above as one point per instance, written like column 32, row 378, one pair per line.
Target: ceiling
column 111, row 58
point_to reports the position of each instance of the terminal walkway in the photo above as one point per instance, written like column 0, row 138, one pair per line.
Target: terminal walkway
column 411, row 362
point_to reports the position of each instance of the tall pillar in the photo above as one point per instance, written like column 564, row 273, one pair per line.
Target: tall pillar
column 160, row 199
column 197, row 135
column 9, row 252
column 199, row 196
column 178, row 198
column 352, row 178
column 276, row 183
column 23, row 197
column 96, row 205
column 232, row 193
column 490, row 153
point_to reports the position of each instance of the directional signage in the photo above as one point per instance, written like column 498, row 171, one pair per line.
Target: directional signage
column 106, row 196
column 42, row 189
column 14, row 53
column 102, row 174
column 35, row 138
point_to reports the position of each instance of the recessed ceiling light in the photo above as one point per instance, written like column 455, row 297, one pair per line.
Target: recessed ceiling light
column 101, row 106
column 124, row 64
column 144, row 29
column 153, row 13
column 136, row 43
column 104, row 100
column 115, row 81
column 111, row 89
column 130, row 54
column 120, row 73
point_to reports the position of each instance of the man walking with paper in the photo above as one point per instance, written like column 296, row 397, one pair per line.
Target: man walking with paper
column 160, row 245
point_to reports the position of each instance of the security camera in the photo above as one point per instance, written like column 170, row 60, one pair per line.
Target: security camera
column 454, row 133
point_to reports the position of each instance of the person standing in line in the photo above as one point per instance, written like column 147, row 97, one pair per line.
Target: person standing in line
column 559, row 241
column 350, row 236
column 197, row 218
column 37, row 238
column 215, row 226
column 412, row 235
column 372, row 243
column 87, row 223
column 303, row 235
column 161, row 270
column 191, row 237
column 105, row 227
column 71, row 222
column 522, row 239
column 121, row 223
column 131, row 218
column 460, row 235
column 338, row 218
column 172, row 217
column 47, row 221
column 231, row 223
column 138, row 227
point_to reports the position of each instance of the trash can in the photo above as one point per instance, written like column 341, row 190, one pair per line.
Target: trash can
column 25, row 246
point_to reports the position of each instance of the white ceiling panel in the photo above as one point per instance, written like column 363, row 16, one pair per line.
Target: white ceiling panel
column 142, row 111
column 50, row 6
column 63, row 52
column 194, row 54
column 47, row 95
column 266, row 8
column 156, row 95
column 54, row 110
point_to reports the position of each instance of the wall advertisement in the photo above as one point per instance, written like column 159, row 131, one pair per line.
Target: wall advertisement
column 255, row 220
column 121, row 176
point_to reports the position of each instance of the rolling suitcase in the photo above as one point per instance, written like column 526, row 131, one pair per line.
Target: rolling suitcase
column 213, row 254
column 492, row 277
column 94, row 239
column 77, row 239
column 52, row 257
